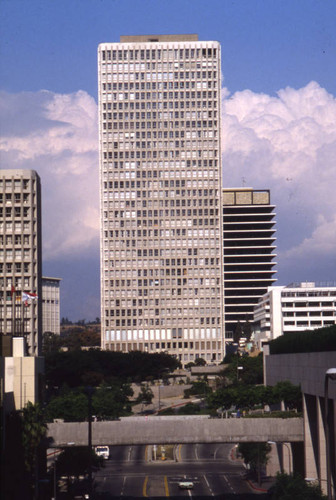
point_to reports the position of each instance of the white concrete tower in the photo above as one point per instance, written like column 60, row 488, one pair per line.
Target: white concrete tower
column 21, row 256
column 160, row 192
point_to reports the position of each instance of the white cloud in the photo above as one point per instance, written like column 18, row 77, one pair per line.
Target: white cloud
column 57, row 137
column 287, row 143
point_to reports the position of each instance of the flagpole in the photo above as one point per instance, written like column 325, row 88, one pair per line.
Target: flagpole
column 13, row 309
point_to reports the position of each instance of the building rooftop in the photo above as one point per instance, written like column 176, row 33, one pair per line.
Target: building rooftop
column 158, row 38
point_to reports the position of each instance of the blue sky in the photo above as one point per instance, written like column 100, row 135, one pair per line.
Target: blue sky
column 279, row 126
column 266, row 44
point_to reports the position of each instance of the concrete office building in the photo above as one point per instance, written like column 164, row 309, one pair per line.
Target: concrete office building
column 51, row 321
column 160, row 191
column 294, row 308
column 249, row 245
column 20, row 256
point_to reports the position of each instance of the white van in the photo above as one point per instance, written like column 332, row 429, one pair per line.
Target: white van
column 103, row 451
column 186, row 485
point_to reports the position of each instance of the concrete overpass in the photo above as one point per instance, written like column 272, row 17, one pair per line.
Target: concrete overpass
column 177, row 430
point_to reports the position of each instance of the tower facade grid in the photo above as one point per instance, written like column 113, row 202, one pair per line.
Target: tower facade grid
column 160, row 193
column 21, row 256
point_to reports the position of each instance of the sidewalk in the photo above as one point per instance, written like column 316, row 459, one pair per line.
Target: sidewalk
column 266, row 481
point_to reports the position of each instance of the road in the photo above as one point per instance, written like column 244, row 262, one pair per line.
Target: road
column 128, row 474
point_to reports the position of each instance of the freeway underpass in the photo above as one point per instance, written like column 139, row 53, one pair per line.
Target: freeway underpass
column 176, row 429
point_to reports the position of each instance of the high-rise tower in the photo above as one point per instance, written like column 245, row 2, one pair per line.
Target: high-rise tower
column 249, row 245
column 20, row 256
column 160, row 192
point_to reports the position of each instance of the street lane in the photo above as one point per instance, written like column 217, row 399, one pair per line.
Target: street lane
column 128, row 475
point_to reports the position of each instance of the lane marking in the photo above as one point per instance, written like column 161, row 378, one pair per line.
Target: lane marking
column 231, row 488
column 208, row 485
column 123, row 487
column 129, row 454
column 196, row 452
column 144, row 488
column 166, row 486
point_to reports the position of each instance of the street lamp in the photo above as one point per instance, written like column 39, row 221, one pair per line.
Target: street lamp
column 329, row 375
column 89, row 392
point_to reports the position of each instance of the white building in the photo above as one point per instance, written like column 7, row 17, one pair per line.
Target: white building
column 160, row 191
column 51, row 321
column 294, row 308
column 20, row 256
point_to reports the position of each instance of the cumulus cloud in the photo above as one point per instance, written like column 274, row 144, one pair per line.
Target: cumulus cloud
column 56, row 135
column 287, row 143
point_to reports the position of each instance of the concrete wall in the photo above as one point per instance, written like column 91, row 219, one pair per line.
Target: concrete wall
column 308, row 370
column 21, row 377
column 305, row 369
column 177, row 429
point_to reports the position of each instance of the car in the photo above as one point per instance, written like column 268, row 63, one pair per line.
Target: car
column 185, row 485
column 103, row 451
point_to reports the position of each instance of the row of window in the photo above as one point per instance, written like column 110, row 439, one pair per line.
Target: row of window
column 159, row 125
column 169, row 166
column 313, row 293
column 192, row 80
column 131, row 67
column 18, row 282
column 309, row 304
column 16, row 183
column 157, row 54
column 310, row 323
column 17, row 254
column 10, row 198
column 17, row 267
column 151, row 94
column 18, row 226
column 14, row 212
column 331, row 312
column 146, row 322
column 190, row 356
column 17, row 239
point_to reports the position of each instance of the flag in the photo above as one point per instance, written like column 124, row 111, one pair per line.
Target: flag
column 13, row 290
column 26, row 296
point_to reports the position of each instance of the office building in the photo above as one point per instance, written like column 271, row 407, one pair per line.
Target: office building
column 249, row 245
column 160, row 173
column 20, row 256
column 294, row 308
column 51, row 321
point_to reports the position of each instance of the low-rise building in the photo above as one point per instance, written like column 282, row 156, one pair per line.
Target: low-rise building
column 294, row 308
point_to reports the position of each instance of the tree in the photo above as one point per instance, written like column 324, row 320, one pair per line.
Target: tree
column 247, row 330
column 72, row 367
column 110, row 402
column 34, row 429
column 287, row 487
column 50, row 343
column 289, row 393
column 252, row 369
column 200, row 362
column 145, row 395
column 70, row 405
column 76, row 462
column 237, row 333
column 198, row 387
column 256, row 455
